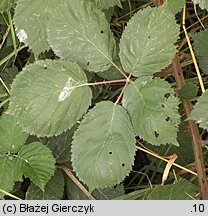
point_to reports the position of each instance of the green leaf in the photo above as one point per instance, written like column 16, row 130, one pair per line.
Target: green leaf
column 37, row 163
column 152, row 107
column 175, row 6
column 31, row 18
column 199, row 112
column 181, row 190
column 73, row 191
column 78, row 31
column 6, row 174
column 112, row 73
column 200, row 47
column 60, row 145
column 184, row 151
column 147, row 44
column 188, row 91
column 49, row 97
column 6, row 5
column 11, row 135
column 108, row 193
column 105, row 4
column 9, row 74
column 103, row 148
column 54, row 189
column 203, row 4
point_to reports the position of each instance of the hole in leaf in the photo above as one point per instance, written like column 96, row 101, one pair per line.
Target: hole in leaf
column 101, row 31
column 167, row 95
column 149, row 37
column 123, row 164
column 156, row 134
column 88, row 63
column 163, row 105
column 45, row 67
column 110, row 152
column 167, row 119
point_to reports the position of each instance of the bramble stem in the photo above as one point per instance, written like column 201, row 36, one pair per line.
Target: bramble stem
column 193, row 131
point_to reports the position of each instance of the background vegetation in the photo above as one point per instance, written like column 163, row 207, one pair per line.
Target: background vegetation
column 103, row 99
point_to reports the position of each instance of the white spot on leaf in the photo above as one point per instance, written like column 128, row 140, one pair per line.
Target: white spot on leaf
column 22, row 35
column 67, row 90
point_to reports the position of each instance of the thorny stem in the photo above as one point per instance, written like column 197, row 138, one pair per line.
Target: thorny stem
column 193, row 130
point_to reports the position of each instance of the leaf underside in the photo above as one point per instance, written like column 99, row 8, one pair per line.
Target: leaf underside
column 79, row 31
column 103, row 148
column 153, row 109
column 147, row 44
column 47, row 97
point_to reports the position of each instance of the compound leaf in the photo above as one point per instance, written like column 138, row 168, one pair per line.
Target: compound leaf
column 6, row 5
column 203, row 4
column 103, row 148
column 79, row 31
column 11, row 135
column 31, row 18
column 199, row 112
column 49, row 97
column 53, row 190
column 147, row 44
column 181, row 190
column 200, row 47
column 37, row 163
column 152, row 107
column 6, row 174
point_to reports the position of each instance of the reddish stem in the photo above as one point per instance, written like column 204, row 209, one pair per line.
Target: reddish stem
column 158, row 3
column 108, row 82
column 193, row 131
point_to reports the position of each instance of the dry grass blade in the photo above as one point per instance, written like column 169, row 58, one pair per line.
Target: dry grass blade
column 168, row 166
column 77, row 182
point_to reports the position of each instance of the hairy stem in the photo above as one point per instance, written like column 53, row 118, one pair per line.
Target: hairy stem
column 193, row 130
